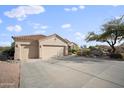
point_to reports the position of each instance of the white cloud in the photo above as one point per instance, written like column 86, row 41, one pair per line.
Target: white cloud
column 35, row 25
column 39, row 26
column 74, row 8
column 39, row 32
column 21, row 12
column 81, row 7
column 118, row 17
column 115, row 5
column 44, row 27
column 16, row 28
column 64, row 26
column 67, row 9
column 80, row 36
column 78, row 33
column 1, row 21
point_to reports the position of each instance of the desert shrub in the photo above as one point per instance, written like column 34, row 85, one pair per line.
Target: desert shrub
column 69, row 52
column 96, row 52
column 93, row 47
column 72, row 51
column 8, row 52
column 78, row 53
column 119, row 49
column 3, row 49
column 4, row 54
column 116, row 56
column 83, row 52
column 122, row 54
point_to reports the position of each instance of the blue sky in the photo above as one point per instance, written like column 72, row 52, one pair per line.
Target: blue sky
column 71, row 22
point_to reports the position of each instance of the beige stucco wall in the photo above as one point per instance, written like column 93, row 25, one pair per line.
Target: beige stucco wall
column 20, row 53
column 56, row 45
column 17, row 54
column 54, row 41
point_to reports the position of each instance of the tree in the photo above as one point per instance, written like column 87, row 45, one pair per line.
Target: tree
column 9, row 52
column 12, row 50
column 112, row 33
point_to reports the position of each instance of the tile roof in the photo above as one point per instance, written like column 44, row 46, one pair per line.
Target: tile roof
column 69, row 42
column 39, row 37
column 29, row 37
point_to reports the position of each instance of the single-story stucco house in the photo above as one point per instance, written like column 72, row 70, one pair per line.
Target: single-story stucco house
column 39, row 47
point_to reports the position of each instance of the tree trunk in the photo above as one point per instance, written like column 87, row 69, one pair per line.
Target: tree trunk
column 112, row 46
column 113, row 49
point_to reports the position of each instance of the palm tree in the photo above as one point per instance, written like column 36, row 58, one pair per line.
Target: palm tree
column 112, row 33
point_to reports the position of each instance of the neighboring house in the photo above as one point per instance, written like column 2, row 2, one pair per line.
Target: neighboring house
column 39, row 47
column 72, row 45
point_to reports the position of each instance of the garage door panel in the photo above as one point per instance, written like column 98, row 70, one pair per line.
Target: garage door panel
column 52, row 52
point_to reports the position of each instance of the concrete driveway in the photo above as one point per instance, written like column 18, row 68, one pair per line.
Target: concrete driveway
column 73, row 72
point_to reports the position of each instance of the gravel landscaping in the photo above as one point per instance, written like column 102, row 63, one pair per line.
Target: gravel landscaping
column 9, row 75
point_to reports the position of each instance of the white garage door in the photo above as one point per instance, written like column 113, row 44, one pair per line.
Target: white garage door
column 52, row 51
